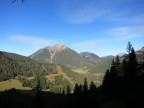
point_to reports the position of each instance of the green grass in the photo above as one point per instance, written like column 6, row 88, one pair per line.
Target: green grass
column 12, row 83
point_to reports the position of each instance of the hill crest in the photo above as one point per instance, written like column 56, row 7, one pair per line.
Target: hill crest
column 57, row 47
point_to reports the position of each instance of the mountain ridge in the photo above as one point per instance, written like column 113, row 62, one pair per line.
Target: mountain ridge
column 13, row 65
column 60, row 54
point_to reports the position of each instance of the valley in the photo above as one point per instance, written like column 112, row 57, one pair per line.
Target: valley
column 59, row 64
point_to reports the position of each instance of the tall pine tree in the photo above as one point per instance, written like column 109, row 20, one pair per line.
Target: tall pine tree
column 85, row 86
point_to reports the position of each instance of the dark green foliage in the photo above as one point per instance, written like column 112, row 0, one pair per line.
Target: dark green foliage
column 58, row 85
column 61, row 80
column 101, row 66
column 12, row 65
column 25, row 82
column 77, row 78
column 92, row 88
column 39, row 82
column 7, row 67
column 77, row 89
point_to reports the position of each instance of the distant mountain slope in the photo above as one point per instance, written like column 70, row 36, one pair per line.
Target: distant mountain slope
column 101, row 66
column 109, row 57
column 60, row 54
column 101, row 63
column 78, row 66
column 84, row 63
column 91, row 57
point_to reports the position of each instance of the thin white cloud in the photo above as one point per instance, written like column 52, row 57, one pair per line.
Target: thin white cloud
column 84, row 16
column 80, row 11
column 84, row 11
column 90, row 43
column 124, row 17
column 126, row 33
column 100, row 47
column 30, row 39
column 115, row 37
column 34, row 43
column 136, row 19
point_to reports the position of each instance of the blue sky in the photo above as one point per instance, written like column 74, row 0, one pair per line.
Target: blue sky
column 100, row 26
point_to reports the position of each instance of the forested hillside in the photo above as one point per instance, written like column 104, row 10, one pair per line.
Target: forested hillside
column 122, row 87
column 54, row 78
column 12, row 65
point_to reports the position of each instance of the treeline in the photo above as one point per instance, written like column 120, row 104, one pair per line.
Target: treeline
column 58, row 85
column 124, row 81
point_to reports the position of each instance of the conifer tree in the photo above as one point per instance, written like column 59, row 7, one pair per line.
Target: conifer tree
column 124, row 66
column 68, row 90
column 106, row 79
column 132, row 62
column 92, row 88
column 131, row 73
column 118, row 67
column 63, row 92
column 77, row 89
column 38, row 86
column 85, row 86
column 129, row 47
column 113, row 74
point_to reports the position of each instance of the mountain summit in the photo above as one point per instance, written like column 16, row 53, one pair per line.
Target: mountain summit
column 57, row 47
column 47, row 54
column 60, row 54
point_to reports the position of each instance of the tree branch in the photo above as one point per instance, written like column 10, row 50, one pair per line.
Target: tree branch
column 16, row 0
column 13, row 1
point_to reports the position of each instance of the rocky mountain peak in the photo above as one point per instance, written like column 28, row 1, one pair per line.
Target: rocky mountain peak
column 60, row 47
column 57, row 47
